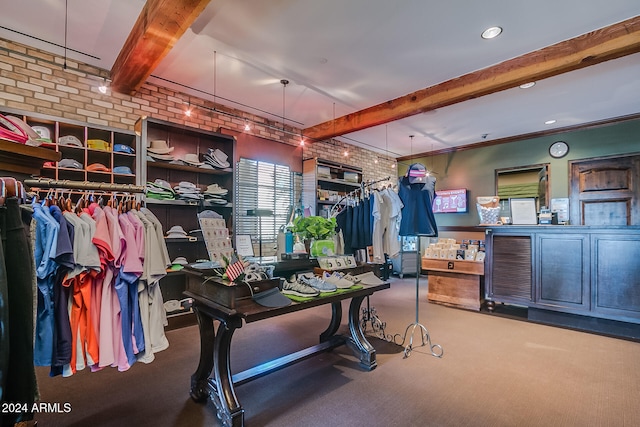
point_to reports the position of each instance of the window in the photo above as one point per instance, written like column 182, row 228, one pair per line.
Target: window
column 263, row 195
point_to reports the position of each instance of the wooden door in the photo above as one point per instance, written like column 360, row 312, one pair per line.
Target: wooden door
column 605, row 191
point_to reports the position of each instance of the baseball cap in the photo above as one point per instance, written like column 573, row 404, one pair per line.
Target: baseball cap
column 122, row 170
column 70, row 163
column 94, row 167
column 417, row 173
column 98, row 144
column 122, row 148
column 70, row 140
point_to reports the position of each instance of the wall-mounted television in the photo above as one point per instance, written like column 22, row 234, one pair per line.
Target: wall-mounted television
column 450, row 201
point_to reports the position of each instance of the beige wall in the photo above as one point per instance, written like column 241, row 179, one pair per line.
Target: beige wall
column 34, row 81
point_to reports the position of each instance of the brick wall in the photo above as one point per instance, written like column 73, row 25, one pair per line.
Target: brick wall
column 33, row 80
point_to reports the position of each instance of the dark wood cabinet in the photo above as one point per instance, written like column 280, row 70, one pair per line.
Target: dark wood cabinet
column 510, row 268
column 589, row 271
column 562, row 267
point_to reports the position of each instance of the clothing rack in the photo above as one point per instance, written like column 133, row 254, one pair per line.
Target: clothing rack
column 363, row 185
column 83, row 185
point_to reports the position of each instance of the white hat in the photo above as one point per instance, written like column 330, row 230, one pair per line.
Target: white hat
column 192, row 159
column 180, row 261
column 159, row 146
column 176, row 232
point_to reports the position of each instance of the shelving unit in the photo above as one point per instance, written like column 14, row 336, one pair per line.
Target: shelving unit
column 184, row 140
column 406, row 262
column 325, row 182
column 83, row 154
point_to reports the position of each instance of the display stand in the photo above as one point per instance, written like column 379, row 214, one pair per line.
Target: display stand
column 424, row 333
column 260, row 213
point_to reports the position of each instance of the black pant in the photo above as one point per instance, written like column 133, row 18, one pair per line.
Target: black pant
column 20, row 379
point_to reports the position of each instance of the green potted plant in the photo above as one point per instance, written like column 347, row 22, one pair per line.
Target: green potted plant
column 318, row 231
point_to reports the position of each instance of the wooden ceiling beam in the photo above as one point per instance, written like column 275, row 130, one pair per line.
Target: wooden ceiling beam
column 592, row 48
column 160, row 25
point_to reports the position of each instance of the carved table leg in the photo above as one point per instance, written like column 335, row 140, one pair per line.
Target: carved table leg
column 215, row 357
column 229, row 410
column 200, row 379
column 336, row 319
column 358, row 343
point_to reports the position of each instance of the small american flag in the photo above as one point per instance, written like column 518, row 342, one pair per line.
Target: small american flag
column 234, row 270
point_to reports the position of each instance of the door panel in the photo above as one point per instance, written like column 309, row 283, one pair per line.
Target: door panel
column 605, row 191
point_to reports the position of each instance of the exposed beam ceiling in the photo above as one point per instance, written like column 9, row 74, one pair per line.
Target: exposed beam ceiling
column 160, row 25
column 592, row 48
column 339, row 70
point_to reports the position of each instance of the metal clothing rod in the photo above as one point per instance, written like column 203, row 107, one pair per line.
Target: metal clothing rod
column 83, row 185
column 361, row 189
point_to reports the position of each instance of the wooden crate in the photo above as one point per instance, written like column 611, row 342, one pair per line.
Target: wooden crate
column 453, row 265
column 455, row 283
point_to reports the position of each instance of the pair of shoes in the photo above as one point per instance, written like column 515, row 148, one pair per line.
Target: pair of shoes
column 317, row 283
column 369, row 278
column 337, row 279
column 298, row 288
column 353, row 279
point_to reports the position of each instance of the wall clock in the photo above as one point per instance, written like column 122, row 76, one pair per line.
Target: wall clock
column 558, row 149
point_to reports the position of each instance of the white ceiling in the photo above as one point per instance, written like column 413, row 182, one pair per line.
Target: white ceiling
column 342, row 56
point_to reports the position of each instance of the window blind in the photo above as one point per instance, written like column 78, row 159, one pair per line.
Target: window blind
column 263, row 194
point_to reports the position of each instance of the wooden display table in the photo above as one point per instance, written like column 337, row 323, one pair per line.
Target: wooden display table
column 455, row 283
column 215, row 345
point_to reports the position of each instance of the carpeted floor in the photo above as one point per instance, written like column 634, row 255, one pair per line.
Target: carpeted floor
column 495, row 372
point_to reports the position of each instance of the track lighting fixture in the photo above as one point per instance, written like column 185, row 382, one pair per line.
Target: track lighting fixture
column 103, row 86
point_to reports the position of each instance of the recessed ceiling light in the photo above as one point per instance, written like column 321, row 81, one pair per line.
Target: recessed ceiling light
column 549, row 122
column 491, row 32
column 527, row 85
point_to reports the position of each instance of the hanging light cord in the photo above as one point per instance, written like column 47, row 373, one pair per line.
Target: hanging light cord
column 284, row 82
column 215, row 68
column 66, row 15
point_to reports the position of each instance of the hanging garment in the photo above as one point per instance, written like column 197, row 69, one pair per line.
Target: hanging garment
column 111, row 346
column 417, row 214
column 80, row 281
column 155, row 268
column 47, row 229
column 130, row 271
column 101, row 239
column 4, row 325
column 62, row 337
column 20, row 382
column 387, row 212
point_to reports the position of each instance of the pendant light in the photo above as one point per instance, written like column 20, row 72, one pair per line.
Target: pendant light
column 284, row 82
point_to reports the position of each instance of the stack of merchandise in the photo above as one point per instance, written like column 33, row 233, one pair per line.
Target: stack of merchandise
column 468, row 250
column 215, row 159
column 159, row 150
column 216, row 194
column 188, row 191
column 176, row 232
column 160, row 190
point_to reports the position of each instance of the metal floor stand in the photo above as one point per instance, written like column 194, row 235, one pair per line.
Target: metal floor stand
column 435, row 349
column 369, row 315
